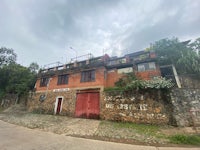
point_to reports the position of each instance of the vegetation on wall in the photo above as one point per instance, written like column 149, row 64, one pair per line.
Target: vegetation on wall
column 184, row 55
column 14, row 78
column 131, row 82
column 155, row 83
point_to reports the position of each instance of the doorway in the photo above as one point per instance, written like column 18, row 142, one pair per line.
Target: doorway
column 87, row 105
column 58, row 105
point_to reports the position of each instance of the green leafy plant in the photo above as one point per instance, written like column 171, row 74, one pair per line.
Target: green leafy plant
column 185, row 139
column 181, row 54
column 132, row 83
column 127, row 78
column 158, row 83
column 155, row 83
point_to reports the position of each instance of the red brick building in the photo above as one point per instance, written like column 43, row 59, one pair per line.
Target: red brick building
column 76, row 88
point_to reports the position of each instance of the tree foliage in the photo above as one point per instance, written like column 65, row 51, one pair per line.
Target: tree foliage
column 19, row 79
column 14, row 78
column 196, row 45
column 33, row 67
column 7, row 56
column 181, row 54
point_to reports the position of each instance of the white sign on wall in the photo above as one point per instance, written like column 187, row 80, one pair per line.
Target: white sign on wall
column 61, row 90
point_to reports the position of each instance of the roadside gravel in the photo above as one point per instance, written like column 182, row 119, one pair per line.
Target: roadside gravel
column 88, row 128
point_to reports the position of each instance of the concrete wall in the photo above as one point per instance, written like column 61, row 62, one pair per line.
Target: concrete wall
column 186, row 106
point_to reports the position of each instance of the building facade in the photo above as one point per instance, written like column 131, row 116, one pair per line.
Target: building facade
column 76, row 89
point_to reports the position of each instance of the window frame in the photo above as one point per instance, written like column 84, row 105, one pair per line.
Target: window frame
column 148, row 66
column 44, row 81
column 88, row 76
column 63, row 79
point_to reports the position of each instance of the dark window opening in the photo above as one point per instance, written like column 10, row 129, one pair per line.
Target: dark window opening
column 44, row 82
column 63, row 79
column 88, row 76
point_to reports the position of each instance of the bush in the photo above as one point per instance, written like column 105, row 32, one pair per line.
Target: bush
column 155, row 83
column 158, row 83
column 129, row 82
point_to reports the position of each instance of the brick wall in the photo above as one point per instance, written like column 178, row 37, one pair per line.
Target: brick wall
column 74, row 81
column 112, row 77
column 147, row 75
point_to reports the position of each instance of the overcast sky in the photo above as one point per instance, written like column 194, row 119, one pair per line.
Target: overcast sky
column 43, row 31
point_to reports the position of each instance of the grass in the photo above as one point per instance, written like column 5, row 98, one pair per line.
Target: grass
column 154, row 131
column 139, row 128
column 185, row 139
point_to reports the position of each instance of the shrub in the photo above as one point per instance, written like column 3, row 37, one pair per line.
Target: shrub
column 130, row 82
column 155, row 83
column 158, row 83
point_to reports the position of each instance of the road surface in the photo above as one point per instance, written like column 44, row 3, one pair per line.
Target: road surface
column 13, row 137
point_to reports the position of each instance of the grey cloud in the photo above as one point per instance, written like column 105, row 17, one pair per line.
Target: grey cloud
column 48, row 28
column 170, row 24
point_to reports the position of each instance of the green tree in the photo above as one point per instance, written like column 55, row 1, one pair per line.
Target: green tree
column 190, row 63
column 181, row 54
column 15, row 78
column 7, row 56
column 33, row 67
column 196, row 45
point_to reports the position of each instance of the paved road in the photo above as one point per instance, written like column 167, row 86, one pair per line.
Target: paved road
column 13, row 137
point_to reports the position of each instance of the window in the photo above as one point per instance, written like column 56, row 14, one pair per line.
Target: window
column 44, row 82
column 146, row 66
column 141, row 67
column 152, row 66
column 63, row 79
column 88, row 76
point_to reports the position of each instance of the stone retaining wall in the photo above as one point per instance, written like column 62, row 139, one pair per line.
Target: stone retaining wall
column 181, row 107
column 48, row 105
column 189, row 82
column 149, row 106
column 186, row 106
